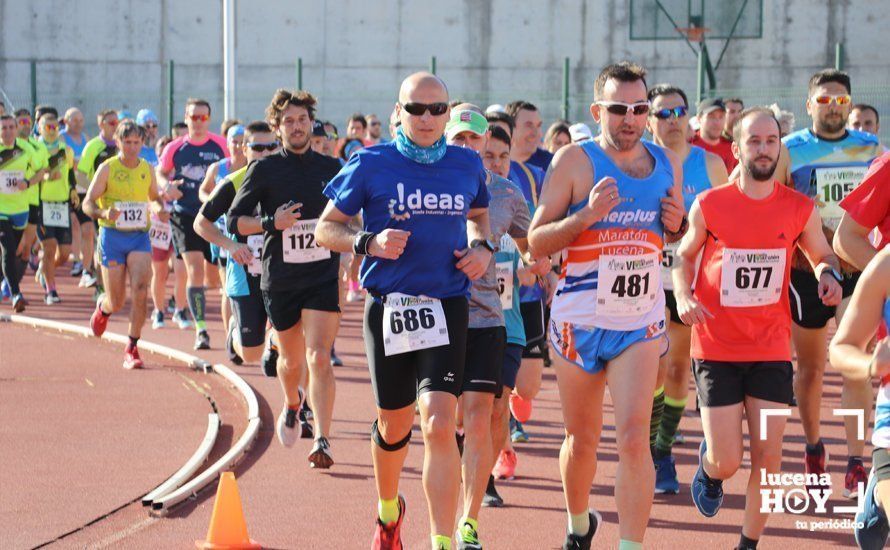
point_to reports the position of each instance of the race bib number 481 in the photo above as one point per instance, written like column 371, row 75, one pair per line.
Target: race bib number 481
column 752, row 277
column 628, row 285
column 412, row 323
column 299, row 246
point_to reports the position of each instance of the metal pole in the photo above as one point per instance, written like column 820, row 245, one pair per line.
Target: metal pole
column 700, row 78
column 565, row 89
column 839, row 56
column 299, row 73
column 433, row 64
column 170, row 97
column 33, row 86
column 228, row 59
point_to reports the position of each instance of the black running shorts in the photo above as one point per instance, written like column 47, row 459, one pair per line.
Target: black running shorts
column 721, row 383
column 285, row 307
column 184, row 237
column 250, row 314
column 399, row 379
column 807, row 310
column 485, row 359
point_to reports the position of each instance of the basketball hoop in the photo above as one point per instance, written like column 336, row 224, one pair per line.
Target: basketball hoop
column 693, row 34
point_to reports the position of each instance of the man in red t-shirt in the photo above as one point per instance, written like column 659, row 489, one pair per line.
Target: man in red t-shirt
column 867, row 207
column 740, row 312
column 712, row 119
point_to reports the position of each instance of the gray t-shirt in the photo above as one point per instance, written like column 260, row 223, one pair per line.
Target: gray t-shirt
column 507, row 213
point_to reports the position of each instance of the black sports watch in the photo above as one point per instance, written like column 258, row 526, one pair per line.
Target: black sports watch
column 482, row 242
column 834, row 273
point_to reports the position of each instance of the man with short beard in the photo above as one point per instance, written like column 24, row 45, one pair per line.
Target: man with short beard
column 375, row 131
column 827, row 162
column 734, row 107
column 609, row 204
column 740, row 315
column 299, row 277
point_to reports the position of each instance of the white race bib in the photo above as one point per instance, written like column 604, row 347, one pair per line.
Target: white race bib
column 412, row 323
column 134, row 215
column 504, row 271
column 55, row 214
column 255, row 243
column 751, row 277
column 833, row 184
column 668, row 260
column 9, row 181
column 627, row 285
column 160, row 233
column 299, row 246
column 221, row 225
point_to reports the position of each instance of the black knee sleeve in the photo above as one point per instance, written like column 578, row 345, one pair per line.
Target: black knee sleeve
column 389, row 447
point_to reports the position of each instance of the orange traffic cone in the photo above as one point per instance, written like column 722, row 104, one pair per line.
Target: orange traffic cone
column 228, row 530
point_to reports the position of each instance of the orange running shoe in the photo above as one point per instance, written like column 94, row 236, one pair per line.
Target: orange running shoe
column 521, row 408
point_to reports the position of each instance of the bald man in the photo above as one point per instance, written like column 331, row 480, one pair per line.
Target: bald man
column 425, row 236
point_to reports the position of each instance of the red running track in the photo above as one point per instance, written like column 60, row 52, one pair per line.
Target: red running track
column 76, row 452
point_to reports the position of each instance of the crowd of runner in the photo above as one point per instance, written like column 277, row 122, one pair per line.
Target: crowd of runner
column 484, row 249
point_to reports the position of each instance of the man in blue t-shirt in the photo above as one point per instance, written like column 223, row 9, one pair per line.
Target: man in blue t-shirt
column 425, row 236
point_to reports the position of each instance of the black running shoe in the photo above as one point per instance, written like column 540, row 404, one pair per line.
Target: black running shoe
column 234, row 358
column 582, row 542
column 335, row 361
column 202, row 340
column 270, row 361
column 492, row 499
column 306, row 431
column 320, row 456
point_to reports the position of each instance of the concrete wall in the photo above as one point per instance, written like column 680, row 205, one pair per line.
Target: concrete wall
column 96, row 53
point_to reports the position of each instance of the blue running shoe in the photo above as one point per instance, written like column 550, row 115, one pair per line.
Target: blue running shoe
column 666, row 476
column 518, row 433
column 707, row 493
column 873, row 520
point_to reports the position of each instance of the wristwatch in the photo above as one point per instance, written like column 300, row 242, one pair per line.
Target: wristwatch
column 482, row 242
column 834, row 273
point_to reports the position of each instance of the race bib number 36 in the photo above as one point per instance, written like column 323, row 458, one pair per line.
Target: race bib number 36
column 751, row 277
column 9, row 181
column 299, row 246
column 628, row 285
column 134, row 215
column 833, row 184
column 412, row 323
column 55, row 214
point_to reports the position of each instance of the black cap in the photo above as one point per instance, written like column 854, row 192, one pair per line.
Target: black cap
column 705, row 106
column 318, row 129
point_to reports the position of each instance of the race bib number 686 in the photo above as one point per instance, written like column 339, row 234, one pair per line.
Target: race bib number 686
column 412, row 323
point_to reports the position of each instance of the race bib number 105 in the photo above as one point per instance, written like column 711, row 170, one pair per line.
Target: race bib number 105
column 412, row 323
column 833, row 184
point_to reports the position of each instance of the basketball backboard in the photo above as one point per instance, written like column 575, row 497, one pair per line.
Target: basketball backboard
column 660, row 19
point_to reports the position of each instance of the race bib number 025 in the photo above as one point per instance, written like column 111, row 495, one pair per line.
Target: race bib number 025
column 134, row 215
column 299, row 246
column 160, row 234
column 412, row 323
column 833, row 184
column 751, row 277
column 628, row 285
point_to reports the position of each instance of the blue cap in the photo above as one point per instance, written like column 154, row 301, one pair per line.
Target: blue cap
column 144, row 115
column 236, row 130
column 123, row 113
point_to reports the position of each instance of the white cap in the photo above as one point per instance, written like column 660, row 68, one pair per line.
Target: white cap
column 580, row 132
column 495, row 108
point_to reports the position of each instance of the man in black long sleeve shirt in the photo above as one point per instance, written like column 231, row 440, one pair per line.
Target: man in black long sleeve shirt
column 299, row 281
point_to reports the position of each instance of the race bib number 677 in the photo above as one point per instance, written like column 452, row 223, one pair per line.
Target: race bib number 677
column 752, row 277
column 412, row 323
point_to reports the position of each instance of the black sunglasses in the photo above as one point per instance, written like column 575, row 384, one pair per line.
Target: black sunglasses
column 260, row 147
column 621, row 109
column 417, row 109
column 676, row 112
